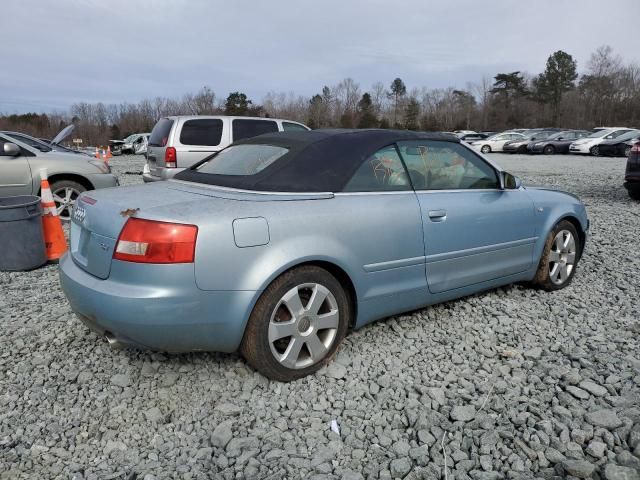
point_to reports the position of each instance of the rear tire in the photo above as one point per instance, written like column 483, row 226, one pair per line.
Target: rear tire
column 549, row 150
column 634, row 194
column 560, row 257
column 627, row 151
column 485, row 149
column 297, row 324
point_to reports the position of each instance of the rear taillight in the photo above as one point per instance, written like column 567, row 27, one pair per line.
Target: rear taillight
column 170, row 158
column 636, row 148
column 148, row 241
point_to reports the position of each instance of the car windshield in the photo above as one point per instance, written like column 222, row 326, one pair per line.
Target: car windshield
column 130, row 138
column 598, row 134
column 242, row 160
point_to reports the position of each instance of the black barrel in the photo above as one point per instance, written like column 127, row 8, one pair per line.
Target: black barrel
column 21, row 239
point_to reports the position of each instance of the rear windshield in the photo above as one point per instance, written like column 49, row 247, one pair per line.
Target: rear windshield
column 252, row 128
column 242, row 160
column 205, row 132
column 160, row 133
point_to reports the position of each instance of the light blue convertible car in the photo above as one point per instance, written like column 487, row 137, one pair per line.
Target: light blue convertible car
column 279, row 244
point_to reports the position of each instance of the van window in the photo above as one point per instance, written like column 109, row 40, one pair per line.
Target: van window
column 293, row 127
column 247, row 128
column 204, row 132
column 160, row 133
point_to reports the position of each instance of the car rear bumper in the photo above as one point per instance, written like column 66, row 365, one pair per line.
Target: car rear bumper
column 160, row 174
column 157, row 307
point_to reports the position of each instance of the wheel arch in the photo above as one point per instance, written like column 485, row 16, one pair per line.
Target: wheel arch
column 582, row 236
column 74, row 177
column 333, row 268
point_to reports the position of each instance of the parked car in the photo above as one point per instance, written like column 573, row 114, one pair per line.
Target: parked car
column 280, row 243
column 590, row 144
column 495, row 143
column 557, row 143
column 620, row 146
column 520, row 145
column 70, row 174
column 46, row 145
column 178, row 142
column 135, row 144
column 632, row 172
column 472, row 137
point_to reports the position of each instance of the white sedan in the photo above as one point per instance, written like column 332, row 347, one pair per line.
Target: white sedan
column 589, row 144
column 496, row 142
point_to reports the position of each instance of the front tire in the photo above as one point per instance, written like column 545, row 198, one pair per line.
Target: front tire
column 485, row 149
column 560, row 257
column 297, row 324
column 595, row 151
column 65, row 193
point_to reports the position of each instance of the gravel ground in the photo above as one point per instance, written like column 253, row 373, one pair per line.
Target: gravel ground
column 512, row 383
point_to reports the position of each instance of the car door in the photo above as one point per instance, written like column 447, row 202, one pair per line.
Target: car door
column 15, row 173
column 386, row 240
column 474, row 231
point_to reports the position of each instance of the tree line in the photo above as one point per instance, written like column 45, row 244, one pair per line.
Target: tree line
column 607, row 93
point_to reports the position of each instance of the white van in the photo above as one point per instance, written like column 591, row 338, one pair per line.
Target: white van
column 180, row 141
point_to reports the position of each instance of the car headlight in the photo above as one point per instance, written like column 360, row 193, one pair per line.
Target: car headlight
column 102, row 166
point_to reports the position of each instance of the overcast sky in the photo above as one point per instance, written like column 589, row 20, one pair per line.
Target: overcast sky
column 59, row 52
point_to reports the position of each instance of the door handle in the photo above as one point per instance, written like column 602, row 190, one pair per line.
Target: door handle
column 438, row 215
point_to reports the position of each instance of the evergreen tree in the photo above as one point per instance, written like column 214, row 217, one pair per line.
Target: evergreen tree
column 398, row 90
column 365, row 109
column 237, row 104
column 412, row 114
column 558, row 78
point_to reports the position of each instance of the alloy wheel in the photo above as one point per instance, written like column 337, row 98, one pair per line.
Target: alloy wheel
column 303, row 326
column 562, row 257
column 65, row 199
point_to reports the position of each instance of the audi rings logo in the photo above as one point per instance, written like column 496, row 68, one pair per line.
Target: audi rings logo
column 79, row 213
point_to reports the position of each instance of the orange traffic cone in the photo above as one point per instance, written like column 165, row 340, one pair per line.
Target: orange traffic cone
column 108, row 155
column 98, row 154
column 54, row 240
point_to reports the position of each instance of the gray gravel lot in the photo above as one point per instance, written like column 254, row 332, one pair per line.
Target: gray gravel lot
column 512, row 383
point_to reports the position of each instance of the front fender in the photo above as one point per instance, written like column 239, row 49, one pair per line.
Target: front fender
column 551, row 207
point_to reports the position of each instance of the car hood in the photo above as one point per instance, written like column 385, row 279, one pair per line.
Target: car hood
column 64, row 133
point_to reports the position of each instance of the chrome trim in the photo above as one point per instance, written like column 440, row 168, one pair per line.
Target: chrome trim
column 390, row 192
column 458, row 190
column 474, row 251
column 403, row 262
column 256, row 192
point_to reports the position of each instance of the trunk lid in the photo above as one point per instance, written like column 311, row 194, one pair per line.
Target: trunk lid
column 100, row 215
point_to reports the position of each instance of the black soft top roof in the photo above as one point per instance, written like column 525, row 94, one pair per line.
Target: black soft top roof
column 317, row 160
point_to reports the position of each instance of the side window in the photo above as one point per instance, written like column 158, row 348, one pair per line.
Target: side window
column 252, row 128
column 381, row 172
column 205, row 132
column 440, row 165
column 293, row 127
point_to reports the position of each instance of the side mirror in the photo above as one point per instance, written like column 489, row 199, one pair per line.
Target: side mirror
column 560, row 138
column 510, row 182
column 10, row 150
